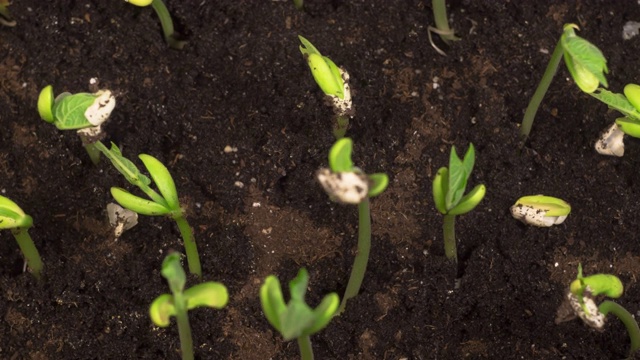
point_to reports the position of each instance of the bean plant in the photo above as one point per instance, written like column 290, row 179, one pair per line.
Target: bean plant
column 448, row 188
column 296, row 320
column 13, row 218
column 585, row 62
column 580, row 301
column 347, row 184
column 180, row 301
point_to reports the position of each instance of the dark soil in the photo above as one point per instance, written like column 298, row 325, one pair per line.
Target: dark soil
column 242, row 82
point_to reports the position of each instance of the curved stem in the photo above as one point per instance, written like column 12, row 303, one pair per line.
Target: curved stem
column 536, row 99
column 167, row 24
column 193, row 259
column 362, row 257
column 306, row 351
column 449, row 231
column 627, row 319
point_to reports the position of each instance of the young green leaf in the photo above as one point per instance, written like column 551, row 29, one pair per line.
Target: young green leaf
column 139, row 205
column 209, row 294
column 163, row 180
column 324, row 70
column 173, row 272
column 378, row 183
column 585, row 61
column 45, row 104
column 127, row 168
column 162, row 309
column 458, row 177
column 617, row 102
column 340, row 156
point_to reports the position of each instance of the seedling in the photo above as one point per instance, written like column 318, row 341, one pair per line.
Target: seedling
column 166, row 203
column 13, row 218
column 540, row 210
column 580, row 302
column 5, row 17
column 345, row 183
column 448, row 188
column 170, row 35
column 296, row 320
column 442, row 25
column 334, row 82
column 209, row 294
column 585, row 62
column 611, row 142
column 83, row 112
column 299, row 4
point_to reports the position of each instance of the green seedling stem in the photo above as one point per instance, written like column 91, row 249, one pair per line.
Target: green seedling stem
column 5, row 16
column 180, row 301
column 362, row 257
column 345, row 183
column 585, row 62
column 170, row 36
column 627, row 319
column 442, row 21
column 13, row 218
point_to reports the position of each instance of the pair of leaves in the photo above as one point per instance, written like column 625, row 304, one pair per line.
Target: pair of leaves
column 340, row 162
column 12, row 216
column 209, row 294
column 296, row 318
column 157, row 205
column 585, row 61
column 325, row 72
column 449, row 185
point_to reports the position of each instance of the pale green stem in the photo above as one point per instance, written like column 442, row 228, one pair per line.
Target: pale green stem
column 442, row 21
column 94, row 153
column 5, row 17
column 167, row 25
column 306, row 351
column 340, row 125
column 536, row 99
column 627, row 319
column 362, row 257
column 193, row 259
column 449, row 230
column 29, row 250
column 184, row 329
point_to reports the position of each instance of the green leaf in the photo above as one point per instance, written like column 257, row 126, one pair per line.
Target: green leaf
column 127, row 168
column 296, row 319
column 617, row 102
column 210, row 294
column 457, row 179
column 139, row 205
column 68, row 112
column 340, row 156
column 272, row 301
column 585, row 61
column 632, row 93
column 379, row 182
column 298, row 286
column 163, row 180
column 162, row 309
column 324, row 70
column 629, row 126
column 440, row 188
column 324, row 313
column 45, row 104
column 174, row 273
